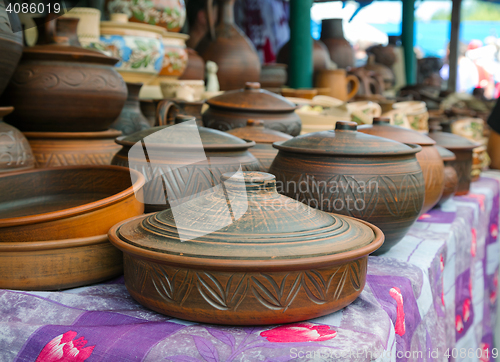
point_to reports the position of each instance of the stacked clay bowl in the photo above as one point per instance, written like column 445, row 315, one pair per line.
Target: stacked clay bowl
column 429, row 159
column 351, row 173
column 54, row 224
column 245, row 255
column 263, row 138
column 450, row 175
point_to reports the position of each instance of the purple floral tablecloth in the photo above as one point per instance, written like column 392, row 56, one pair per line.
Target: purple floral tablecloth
column 432, row 295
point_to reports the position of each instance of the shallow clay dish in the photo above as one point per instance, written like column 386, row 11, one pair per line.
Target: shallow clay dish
column 263, row 138
column 269, row 260
column 66, row 202
column 351, row 173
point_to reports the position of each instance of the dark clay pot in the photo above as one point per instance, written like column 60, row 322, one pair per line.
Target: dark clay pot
column 131, row 119
column 332, row 35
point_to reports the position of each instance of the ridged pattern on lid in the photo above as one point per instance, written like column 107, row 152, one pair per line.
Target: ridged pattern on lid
column 397, row 133
column 259, row 134
column 452, row 141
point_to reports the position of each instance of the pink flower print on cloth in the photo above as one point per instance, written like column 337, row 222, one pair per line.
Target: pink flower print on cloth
column 466, row 310
column 64, row 348
column 480, row 198
column 299, row 332
column 459, row 324
column 473, row 245
column 400, row 326
column 494, row 230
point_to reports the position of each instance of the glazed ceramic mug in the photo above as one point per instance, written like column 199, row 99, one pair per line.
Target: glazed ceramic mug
column 338, row 81
column 364, row 111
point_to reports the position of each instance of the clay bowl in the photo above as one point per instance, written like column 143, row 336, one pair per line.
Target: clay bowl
column 279, row 261
column 450, row 175
column 351, row 173
column 67, row 202
column 264, row 138
column 429, row 159
column 58, row 264
column 56, row 149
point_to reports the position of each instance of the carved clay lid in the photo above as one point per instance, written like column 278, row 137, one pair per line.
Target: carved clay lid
column 381, row 127
column 58, row 52
column 345, row 141
column 451, row 141
column 246, row 223
column 182, row 138
column 445, row 154
column 255, row 131
column 252, row 99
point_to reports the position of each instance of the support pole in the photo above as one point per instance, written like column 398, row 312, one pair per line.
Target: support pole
column 408, row 40
column 301, row 57
column 454, row 39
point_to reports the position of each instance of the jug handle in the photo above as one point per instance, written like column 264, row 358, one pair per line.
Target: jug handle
column 355, row 85
column 162, row 111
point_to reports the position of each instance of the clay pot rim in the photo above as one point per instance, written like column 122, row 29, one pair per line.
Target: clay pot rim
column 414, row 149
column 4, row 111
column 81, row 209
column 251, row 110
column 108, row 134
column 213, row 147
column 62, row 53
column 467, row 146
column 406, row 135
column 446, row 155
column 247, row 265
column 26, row 246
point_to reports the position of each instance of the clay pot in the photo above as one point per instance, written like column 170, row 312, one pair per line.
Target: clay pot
column 351, row 173
column 462, row 148
column 263, row 138
column 148, row 109
column 175, row 60
column 88, row 29
column 429, row 158
column 338, row 82
column 15, row 151
column 273, row 76
column 65, row 89
column 11, row 47
column 169, row 109
column 182, row 160
column 231, row 50
column 450, row 175
column 321, row 58
column 195, row 69
column 233, row 109
column 332, row 35
column 56, row 149
column 131, row 119
column 66, row 202
column 59, row 30
column 383, row 71
column 271, row 264
column 370, row 83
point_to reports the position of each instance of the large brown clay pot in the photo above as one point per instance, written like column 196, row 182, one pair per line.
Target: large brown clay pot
column 351, row 173
column 131, row 119
column 429, row 158
column 232, row 51
column 233, row 109
column 275, row 261
column 450, row 175
column 11, row 47
column 176, row 166
column 15, row 151
column 332, row 35
column 263, row 138
column 60, row 88
column 195, row 69
column 462, row 148
column 321, row 58
column 56, row 149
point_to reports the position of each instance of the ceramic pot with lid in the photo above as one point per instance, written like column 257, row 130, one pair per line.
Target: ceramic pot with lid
column 131, row 119
column 270, row 260
column 232, row 110
column 11, row 46
column 450, row 175
column 429, row 158
column 182, row 160
column 15, row 151
column 463, row 149
column 263, row 138
column 351, row 173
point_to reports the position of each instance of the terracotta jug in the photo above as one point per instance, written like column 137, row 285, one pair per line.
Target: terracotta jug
column 332, row 35
column 195, row 68
column 338, row 81
column 131, row 119
column 231, row 50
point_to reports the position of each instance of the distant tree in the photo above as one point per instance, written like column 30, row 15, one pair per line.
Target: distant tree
column 481, row 10
column 441, row 14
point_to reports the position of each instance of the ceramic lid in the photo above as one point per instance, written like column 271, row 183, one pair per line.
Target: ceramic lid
column 451, row 141
column 445, row 154
column 56, row 52
column 381, row 127
column 252, row 98
column 244, row 222
column 182, row 138
column 255, row 131
column 345, row 141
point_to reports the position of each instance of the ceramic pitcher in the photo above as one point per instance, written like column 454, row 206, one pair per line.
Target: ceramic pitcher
column 338, row 81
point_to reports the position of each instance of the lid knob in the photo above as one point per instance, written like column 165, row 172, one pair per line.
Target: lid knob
column 346, row 126
column 252, row 85
column 381, row 120
column 255, row 123
column 181, row 118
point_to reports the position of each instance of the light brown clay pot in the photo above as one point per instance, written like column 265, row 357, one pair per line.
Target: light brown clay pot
column 272, row 264
column 15, row 151
column 56, row 149
column 450, row 175
column 429, row 158
column 351, row 173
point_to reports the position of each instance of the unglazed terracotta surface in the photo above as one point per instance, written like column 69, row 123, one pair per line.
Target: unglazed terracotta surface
column 11, row 47
column 131, row 119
